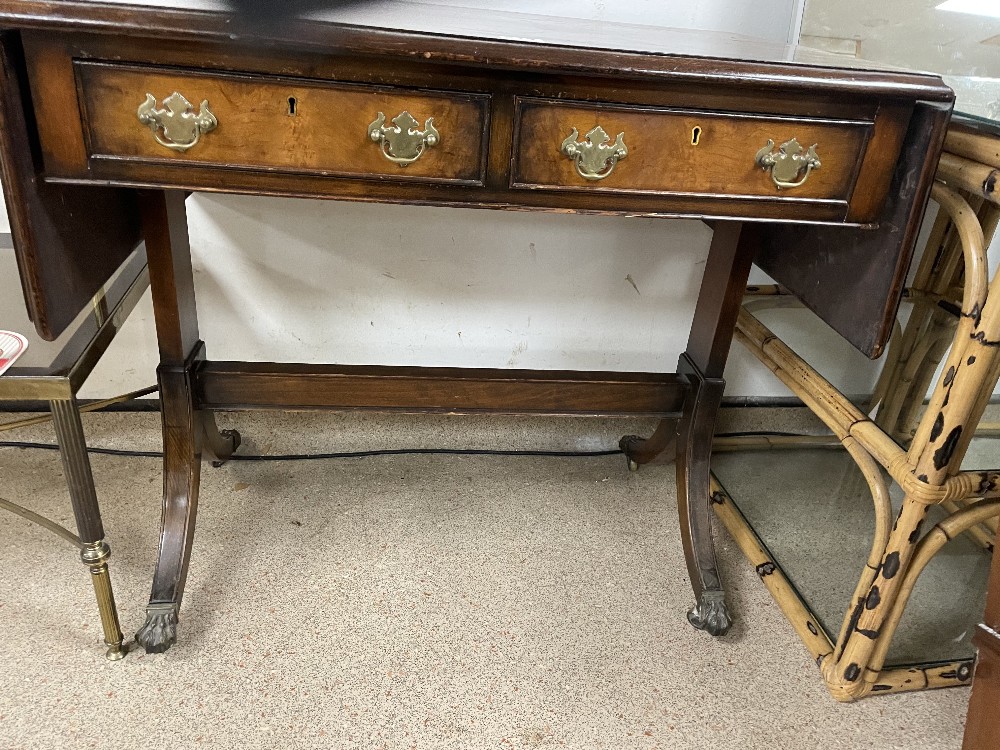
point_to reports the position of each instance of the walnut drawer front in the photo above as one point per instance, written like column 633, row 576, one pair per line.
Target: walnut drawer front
column 682, row 151
column 282, row 125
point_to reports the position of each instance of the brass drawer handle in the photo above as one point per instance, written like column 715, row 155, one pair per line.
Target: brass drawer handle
column 181, row 125
column 788, row 163
column 594, row 158
column 403, row 142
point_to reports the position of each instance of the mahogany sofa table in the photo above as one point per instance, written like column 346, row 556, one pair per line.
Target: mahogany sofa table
column 818, row 172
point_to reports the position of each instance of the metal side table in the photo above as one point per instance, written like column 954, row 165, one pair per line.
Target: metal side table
column 58, row 383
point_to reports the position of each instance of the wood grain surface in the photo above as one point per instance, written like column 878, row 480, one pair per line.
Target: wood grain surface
column 324, row 131
column 663, row 156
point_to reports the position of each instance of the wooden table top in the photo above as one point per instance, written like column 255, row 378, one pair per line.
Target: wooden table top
column 473, row 36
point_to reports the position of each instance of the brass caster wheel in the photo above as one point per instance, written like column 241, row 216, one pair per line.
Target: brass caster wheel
column 234, row 439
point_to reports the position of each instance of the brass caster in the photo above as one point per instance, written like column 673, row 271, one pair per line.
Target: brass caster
column 234, row 438
column 116, row 652
column 628, row 445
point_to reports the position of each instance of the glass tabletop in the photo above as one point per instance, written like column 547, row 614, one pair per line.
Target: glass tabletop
column 990, row 125
column 957, row 39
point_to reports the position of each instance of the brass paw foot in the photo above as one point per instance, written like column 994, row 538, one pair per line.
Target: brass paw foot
column 710, row 613
column 160, row 630
column 233, row 436
column 628, row 446
column 231, row 440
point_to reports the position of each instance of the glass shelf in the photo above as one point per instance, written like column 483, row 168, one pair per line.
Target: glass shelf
column 813, row 511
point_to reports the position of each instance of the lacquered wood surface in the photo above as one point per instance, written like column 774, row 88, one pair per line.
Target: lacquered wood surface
column 666, row 156
column 91, row 64
column 502, row 40
column 687, row 70
column 855, row 283
column 245, row 385
column 64, row 256
column 258, row 147
column 325, row 130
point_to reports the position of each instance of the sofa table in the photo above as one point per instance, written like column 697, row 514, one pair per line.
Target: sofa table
column 791, row 158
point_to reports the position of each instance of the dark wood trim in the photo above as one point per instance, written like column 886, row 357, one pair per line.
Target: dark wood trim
column 64, row 257
column 210, row 180
column 981, row 724
column 241, row 58
column 481, row 100
column 730, row 256
column 881, row 154
column 867, row 267
column 168, row 23
column 68, row 161
column 171, row 278
column 250, row 385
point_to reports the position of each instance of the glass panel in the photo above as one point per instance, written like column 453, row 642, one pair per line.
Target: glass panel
column 53, row 358
column 958, row 39
column 813, row 510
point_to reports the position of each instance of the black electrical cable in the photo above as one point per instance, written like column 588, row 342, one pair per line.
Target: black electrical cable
column 382, row 452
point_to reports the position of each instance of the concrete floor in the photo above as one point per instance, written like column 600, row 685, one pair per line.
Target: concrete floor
column 409, row 602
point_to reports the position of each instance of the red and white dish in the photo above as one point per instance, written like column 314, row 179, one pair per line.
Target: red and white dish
column 12, row 346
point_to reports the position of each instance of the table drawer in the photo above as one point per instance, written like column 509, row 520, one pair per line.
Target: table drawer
column 282, row 125
column 671, row 151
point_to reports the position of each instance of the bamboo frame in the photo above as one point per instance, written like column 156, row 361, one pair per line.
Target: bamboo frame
column 966, row 174
column 975, row 146
column 928, row 468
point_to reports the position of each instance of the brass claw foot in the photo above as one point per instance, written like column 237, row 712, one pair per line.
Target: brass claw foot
column 710, row 613
column 627, row 444
column 160, row 630
column 231, row 440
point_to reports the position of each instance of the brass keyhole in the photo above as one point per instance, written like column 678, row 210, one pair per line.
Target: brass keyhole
column 695, row 135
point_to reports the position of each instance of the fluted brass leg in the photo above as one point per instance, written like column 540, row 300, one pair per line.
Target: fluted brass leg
column 94, row 551
column 95, row 556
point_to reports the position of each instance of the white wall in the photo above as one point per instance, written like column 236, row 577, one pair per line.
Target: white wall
column 773, row 20
column 362, row 283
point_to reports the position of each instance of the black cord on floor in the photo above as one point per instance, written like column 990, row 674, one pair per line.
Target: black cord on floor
column 364, row 454
column 90, row 449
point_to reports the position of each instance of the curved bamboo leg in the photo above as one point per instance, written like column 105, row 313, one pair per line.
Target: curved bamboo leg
column 934, row 456
column 932, row 542
column 879, row 489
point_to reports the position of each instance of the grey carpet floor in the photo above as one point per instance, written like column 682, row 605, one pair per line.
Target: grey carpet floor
column 409, row 602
